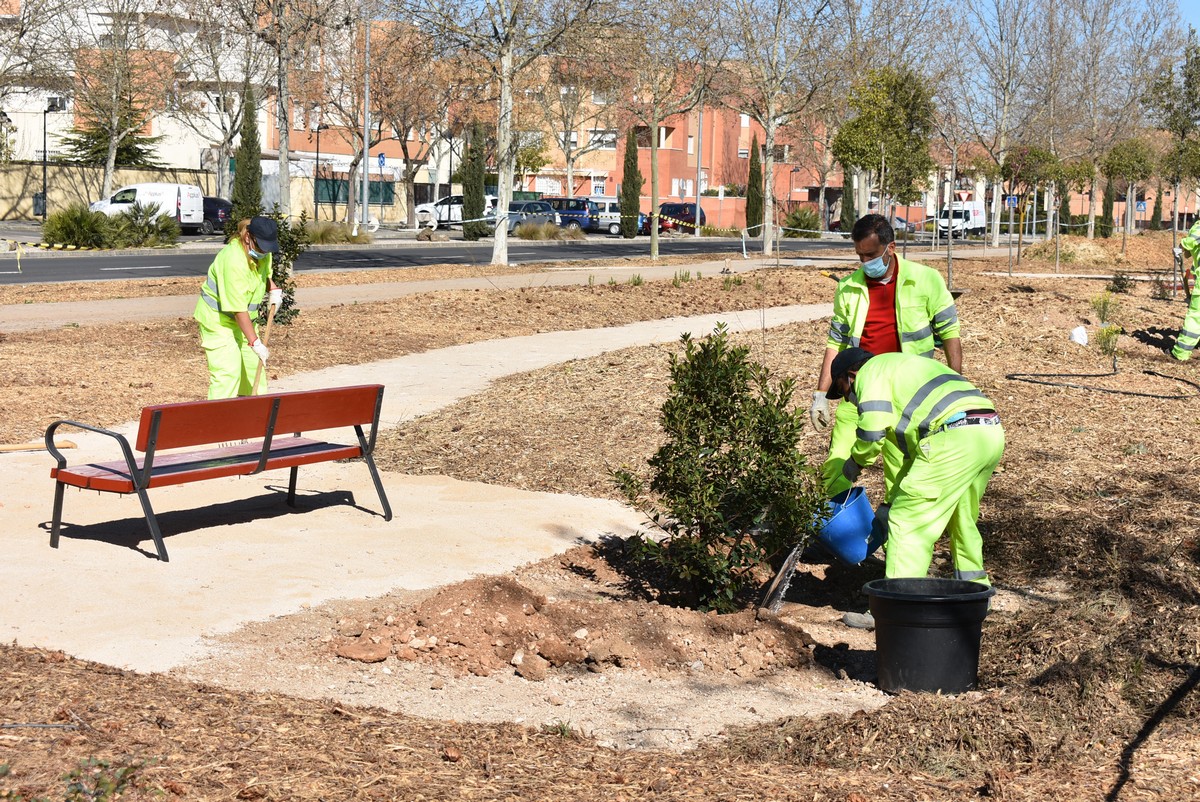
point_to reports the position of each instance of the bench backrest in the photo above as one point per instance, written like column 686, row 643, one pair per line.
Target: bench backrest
column 194, row 423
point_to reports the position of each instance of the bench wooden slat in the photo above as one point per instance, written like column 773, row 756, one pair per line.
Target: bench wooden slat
column 194, row 466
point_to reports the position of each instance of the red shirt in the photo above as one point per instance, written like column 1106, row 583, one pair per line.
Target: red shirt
column 880, row 334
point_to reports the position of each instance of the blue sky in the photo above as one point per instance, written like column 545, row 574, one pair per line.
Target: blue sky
column 1189, row 10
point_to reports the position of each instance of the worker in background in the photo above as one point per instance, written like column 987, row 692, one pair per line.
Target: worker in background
column 239, row 279
column 950, row 440
column 1189, row 333
column 889, row 304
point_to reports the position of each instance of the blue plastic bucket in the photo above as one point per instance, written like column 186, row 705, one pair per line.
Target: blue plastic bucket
column 848, row 528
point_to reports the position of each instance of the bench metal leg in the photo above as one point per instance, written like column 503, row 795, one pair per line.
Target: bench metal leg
column 292, row 485
column 56, row 520
column 152, row 522
column 387, row 508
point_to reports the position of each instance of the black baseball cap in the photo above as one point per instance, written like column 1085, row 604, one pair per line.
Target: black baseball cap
column 846, row 361
column 265, row 233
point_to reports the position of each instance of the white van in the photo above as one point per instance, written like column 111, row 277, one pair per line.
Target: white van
column 183, row 202
column 962, row 217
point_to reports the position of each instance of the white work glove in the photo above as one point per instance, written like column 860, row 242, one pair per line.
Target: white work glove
column 1179, row 253
column 818, row 413
column 260, row 348
column 275, row 298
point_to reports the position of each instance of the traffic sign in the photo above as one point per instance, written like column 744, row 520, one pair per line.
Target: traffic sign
column 382, row 160
column 1141, row 206
column 1011, row 200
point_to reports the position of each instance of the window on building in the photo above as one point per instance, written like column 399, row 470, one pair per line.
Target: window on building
column 664, row 136
column 743, row 153
column 568, row 139
column 745, row 121
column 547, row 185
column 298, row 117
column 602, row 98
column 599, row 183
column 603, row 138
column 691, row 144
column 675, row 187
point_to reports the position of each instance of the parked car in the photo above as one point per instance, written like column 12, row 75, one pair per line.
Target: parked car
column 534, row 212
column 216, row 212
column 577, row 213
column 610, row 216
column 447, row 211
column 183, row 202
column 899, row 224
column 679, row 217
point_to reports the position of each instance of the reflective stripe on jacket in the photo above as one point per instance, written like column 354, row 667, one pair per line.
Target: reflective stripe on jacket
column 230, row 287
column 1191, row 245
column 903, row 398
column 924, row 308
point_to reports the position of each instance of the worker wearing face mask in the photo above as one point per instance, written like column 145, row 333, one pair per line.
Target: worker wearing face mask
column 1189, row 333
column 238, row 281
column 888, row 305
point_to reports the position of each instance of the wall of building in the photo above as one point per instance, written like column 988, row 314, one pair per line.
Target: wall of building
column 70, row 184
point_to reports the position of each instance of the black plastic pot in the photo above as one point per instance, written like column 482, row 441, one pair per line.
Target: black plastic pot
column 927, row 633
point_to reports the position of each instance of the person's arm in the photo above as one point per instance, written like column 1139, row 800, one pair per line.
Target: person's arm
column 824, row 381
column 953, row 349
column 246, row 325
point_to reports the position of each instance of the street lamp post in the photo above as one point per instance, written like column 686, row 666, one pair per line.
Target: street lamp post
column 316, row 173
column 53, row 104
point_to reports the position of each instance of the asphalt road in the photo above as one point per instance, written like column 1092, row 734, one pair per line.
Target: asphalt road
column 194, row 260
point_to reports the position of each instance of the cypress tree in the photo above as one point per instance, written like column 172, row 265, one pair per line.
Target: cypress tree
column 631, row 188
column 754, row 192
column 247, row 180
column 1104, row 224
column 472, row 178
column 849, row 214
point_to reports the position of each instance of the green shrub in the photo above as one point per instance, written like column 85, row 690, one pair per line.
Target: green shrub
column 1106, row 339
column 547, row 231
column 1105, row 306
column 802, row 222
column 730, row 487
column 636, row 280
column 293, row 241
column 324, row 232
column 143, row 227
column 1120, row 283
column 714, row 231
column 79, row 226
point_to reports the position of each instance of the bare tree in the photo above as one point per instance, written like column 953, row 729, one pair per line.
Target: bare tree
column 989, row 43
column 1121, row 46
column 28, row 48
column 578, row 94
column 780, row 62
column 120, row 70
column 672, row 58
column 507, row 37
column 294, row 31
column 217, row 57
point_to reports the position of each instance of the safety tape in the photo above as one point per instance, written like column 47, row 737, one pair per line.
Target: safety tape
column 52, row 246
column 677, row 222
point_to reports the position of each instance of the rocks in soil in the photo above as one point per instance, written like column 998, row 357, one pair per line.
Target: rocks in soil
column 497, row 623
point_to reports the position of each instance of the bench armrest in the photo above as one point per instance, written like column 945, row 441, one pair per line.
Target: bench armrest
column 126, row 450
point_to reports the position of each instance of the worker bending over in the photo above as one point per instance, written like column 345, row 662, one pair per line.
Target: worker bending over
column 238, row 281
column 950, row 440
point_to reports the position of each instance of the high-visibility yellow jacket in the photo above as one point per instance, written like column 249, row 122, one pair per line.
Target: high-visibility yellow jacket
column 231, row 287
column 924, row 309
column 1191, row 245
column 904, row 398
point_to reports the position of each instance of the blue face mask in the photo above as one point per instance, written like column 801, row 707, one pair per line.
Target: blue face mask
column 255, row 255
column 877, row 267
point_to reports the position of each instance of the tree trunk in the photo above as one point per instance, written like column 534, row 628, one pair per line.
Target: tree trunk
column 505, row 155
column 283, row 125
column 1091, row 230
column 768, row 230
column 654, row 188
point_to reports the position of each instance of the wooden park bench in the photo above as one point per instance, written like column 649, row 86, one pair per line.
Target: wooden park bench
column 272, row 422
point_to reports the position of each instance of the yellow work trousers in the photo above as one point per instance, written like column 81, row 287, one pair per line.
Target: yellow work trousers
column 940, row 491
column 232, row 363
column 1189, row 333
column 841, row 440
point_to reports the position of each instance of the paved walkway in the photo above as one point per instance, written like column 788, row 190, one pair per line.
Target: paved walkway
column 239, row 554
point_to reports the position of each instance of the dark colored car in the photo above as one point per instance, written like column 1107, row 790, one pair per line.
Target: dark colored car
column 578, row 213
column 216, row 212
column 679, row 217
